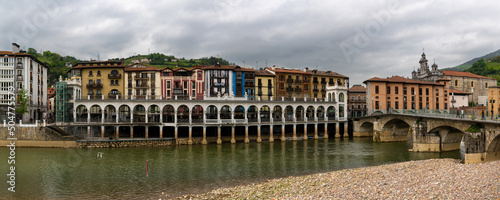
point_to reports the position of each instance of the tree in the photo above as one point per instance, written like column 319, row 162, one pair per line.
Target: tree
column 22, row 102
column 32, row 51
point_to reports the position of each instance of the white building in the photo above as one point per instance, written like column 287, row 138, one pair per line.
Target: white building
column 338, row 95
column 21, row 70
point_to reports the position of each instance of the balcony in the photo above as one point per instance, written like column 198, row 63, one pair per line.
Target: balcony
column 315, row 90
column 219, row 84
column 331, row 83
column 19, row 66
column 298, row 89
column 249, row 84
column 323, row 90
column 19, row 78
column 323, row 82
column 141, row 77
column 116, row 76
column 289, row 80
column 289, row 89
column 298, row 81
column 94, row 86
column 142, row 86
column 315, row 81
column 113, row 96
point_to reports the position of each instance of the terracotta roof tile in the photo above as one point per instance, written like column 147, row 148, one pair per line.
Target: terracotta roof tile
column 455, row 91
column 281, row 70
column 464, row 74
column 143, row 68
column 399, row 79
column 263, row 73
column 357, row 88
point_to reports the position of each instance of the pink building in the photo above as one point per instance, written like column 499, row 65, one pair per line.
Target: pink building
column 183, row 83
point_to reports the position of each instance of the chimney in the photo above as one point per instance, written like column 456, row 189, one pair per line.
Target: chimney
column 15, row 48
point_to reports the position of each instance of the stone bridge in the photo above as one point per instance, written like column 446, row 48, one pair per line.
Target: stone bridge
column 434, row 134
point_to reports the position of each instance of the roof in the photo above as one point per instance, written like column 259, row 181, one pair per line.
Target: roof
column 326, row 73
column 399, row 79
column 493, row 86
column 22, row 54
column 455, row 91
column 464, row 74
column 103, row 64
column 133, row 67
column 213, row 67
column 357, row 88
column 283, row 70
column 263, row 73
column 243, row 69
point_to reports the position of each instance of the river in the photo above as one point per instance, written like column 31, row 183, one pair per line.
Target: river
column 51, row 173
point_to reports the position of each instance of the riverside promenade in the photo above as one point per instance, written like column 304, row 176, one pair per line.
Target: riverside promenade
column 424, row 179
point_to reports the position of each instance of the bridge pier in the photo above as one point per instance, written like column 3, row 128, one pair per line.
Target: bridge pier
column 326, row 131
column 259, row 139
column 204, row 135
column 102, row 132
column 233, row 140
column 283, row 138
column 271, row 138
column 246, row 135
column 294, row 137
column 219, row 139
column 305, row 132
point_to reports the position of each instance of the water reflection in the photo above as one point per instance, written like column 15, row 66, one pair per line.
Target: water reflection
column 121, row 173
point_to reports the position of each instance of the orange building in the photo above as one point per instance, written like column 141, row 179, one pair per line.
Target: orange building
column 401, row 93
column 291, row 83
column 357, row 101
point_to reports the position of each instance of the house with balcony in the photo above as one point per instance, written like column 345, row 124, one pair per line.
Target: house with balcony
column 264, row 85
column 182, row 83
column 141, row 82
column 244, row 82
column 320, row 79
column 291, row 83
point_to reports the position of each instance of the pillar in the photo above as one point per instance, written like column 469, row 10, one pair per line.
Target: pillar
column 117, row 132
column 305, row 132
column 131, row 132
column 190, row 140
column 316, row 131
column 102, row 131
column 283, row 133
column 346, row 134
column 161, row 132
column 326, row 131
column 294, row 138
column 88, row 132
column 337, row 129
column 219, row 139
column 233, row 140
column 74, row 116
column 271, row 138
column 146, row 130
column 246, row 135
column 176, row 132
column 204, row 135
column 102, row 115
column 259, row 140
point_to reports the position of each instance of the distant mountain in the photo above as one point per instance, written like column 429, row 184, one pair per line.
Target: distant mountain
column 469, row 63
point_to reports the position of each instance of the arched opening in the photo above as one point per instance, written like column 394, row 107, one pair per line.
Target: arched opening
column 183, row 114
column 310, row 113
column 277, row 113
column 212, row 112
column 366, row 129
column 330, row 113
column 239, row 112
column 493, row 149
column 299, row 113
column 197, row 114
column 321, row 113
column 329, row 97
column 124, row 113
column 95, row 113
column 449, row 137
column 168, row 114
column 81, row 114
column 252, row 114
column 394, row 130
column 265, row 113
column 225, row 112
column 139, row 113
column 154, row 114
column 341, row 97
column 109, row 113
column 289, row 113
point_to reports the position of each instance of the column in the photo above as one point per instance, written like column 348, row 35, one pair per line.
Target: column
column 305, row 132
column 271, row 138
column 315, row 131
column 88, row 132
column 161, row 132
column 326, row 131
column 146, row 130
column 204, row 135
column 190, row 140
column 88, row 116
column 294, row 138
column 161, row 115
column 74, row 116
column 146, row 113
column 233, row 140
column 102, row 116
column 259, row 140
column 176, row 132
column 337, row 129
column 131, row 116
column 102, row 132
column 131, row 132
column 346, row 134
column 117, row 115
column 117, row 132
column 219, row 140
column 246, row 134
column 283, row 133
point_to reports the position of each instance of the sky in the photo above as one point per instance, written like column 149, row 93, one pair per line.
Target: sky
column 359, row 39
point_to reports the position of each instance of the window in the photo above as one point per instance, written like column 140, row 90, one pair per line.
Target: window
column 396, row 90
column 185, row 84
column 91, row 82
column 472, row 84
column 486, row 85
column 427, row 91
column 396, row 104
column 98, row 92
column 91, row 92
column 437, row 92
column 137, row 92
column 376, row 105
column 153, row 93
column 388, row 90
column 456, row 83
column 194, row 93
column 352, row 98
column 98, row 81
column 168, row 84
column 412, row 91
column 90, row 73
column 193, row 85
column 404, row 91
column 419, row 91
column 129, row 91
column 144, row 91
column 376, row 90
column 98, row 73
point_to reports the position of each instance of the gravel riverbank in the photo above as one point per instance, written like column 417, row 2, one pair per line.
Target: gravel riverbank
column 425, row 179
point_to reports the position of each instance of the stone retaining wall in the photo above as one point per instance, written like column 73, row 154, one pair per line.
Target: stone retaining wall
column 124, row 143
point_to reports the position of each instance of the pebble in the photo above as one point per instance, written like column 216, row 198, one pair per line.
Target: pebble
column 425, row 179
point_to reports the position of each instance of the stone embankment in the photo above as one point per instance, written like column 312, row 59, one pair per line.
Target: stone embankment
column 124, row 143
column 426, row 179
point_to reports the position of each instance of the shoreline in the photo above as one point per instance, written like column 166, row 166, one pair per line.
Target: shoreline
column 422, row 179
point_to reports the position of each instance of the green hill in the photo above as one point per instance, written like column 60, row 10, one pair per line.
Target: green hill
column 489, row 67
column 55, row 62
column 468, row 64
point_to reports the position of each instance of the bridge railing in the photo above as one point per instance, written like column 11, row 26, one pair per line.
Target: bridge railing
column 435, row 113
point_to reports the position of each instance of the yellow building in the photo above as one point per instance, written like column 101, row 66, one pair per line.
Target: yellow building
column 320, row 79
column 493, row 100
column 100, row 79
column 264, row 87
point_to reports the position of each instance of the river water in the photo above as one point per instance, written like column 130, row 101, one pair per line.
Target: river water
column 50, row 173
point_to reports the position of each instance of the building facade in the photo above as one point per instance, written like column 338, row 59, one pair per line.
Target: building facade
column 458, row 98
column 357, row 101
column 264, row 88
column 320, row 79
column 244, row 82
column 219, row 80
column 142, row 82
column 291, row 83
column 67, row 92
column 401, row 93
column 100, row 78
column 20, row 70
column 494, row 100
column 182, row 83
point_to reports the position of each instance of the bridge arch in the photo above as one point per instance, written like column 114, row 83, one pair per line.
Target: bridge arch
column 494, row 145
column 450, row 137
column 395, row 130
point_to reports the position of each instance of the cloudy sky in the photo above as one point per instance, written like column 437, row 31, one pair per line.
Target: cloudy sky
column 360, row 39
